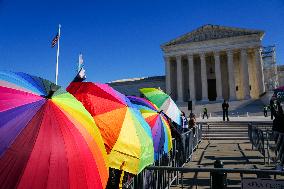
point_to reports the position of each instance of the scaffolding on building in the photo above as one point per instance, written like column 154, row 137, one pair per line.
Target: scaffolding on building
column 269, row 68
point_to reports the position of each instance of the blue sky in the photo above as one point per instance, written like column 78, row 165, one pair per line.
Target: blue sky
column 118, row 39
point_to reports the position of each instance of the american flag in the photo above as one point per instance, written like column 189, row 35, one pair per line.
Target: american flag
column 54, row 41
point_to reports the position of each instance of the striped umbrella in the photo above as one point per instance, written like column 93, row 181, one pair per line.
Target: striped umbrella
column 164, row 103
column 127, row 136
column 160, row 128
column 47, row 138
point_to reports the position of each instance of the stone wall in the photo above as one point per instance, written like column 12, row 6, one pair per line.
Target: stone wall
column 132, row 86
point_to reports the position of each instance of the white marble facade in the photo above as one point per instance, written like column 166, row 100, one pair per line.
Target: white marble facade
column 214, row 63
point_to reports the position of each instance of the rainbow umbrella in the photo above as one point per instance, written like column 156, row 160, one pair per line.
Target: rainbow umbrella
column 159, row 125
column 47, row 138
column 164, row 102
column 126, row 134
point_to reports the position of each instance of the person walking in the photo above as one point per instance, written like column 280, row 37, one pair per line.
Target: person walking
column 225, row 107
column 265, row 110
column 204, row 112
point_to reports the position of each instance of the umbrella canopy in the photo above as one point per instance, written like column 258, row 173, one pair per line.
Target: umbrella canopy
column 164, row 102
column 279, row 93
column 126, row 134
column 160, row 128
column 47, row 138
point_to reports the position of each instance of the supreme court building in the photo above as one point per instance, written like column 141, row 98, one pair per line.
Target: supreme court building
column 214, row 63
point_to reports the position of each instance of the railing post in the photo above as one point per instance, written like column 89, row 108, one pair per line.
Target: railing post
column 181, row 179
column 218, row 179
column 263, row 147
column 208, row 137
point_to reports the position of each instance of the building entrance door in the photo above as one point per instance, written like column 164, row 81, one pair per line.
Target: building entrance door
column 212, row 94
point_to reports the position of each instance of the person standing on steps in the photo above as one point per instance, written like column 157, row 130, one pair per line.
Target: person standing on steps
column 225, row 107
column 204, row 112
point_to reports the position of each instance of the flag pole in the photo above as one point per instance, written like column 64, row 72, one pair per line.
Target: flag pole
column 57, row 55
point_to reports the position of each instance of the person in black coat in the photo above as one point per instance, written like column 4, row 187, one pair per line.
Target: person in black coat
column 225, row 107
column 278, row 122
column 272, row 109
column 177, row 134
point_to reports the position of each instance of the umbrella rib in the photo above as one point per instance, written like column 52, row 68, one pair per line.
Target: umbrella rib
column 126, row 154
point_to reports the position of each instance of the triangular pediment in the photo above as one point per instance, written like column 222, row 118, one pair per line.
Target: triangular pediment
column 212, row 32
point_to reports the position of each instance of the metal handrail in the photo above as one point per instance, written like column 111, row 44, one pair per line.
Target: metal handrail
column 259, row 134
column 218, row 176
column 217, row 170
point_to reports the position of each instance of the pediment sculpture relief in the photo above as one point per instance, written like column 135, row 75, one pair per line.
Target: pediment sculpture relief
column 210, row 32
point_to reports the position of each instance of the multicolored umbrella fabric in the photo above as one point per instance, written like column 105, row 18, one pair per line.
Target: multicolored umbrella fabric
column 164, row 102
column 47, row 138
column 279, row 93
column 160, row 128
column 127, row 136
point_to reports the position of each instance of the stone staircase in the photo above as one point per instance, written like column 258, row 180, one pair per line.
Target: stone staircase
column 225, row 131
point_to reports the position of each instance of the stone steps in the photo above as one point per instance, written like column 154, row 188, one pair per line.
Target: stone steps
column 226, row 131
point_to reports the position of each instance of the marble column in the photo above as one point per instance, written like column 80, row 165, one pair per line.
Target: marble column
column 191, row 77
column 179, row 80
column 168, row 75
column 259, row 70
column 204, row 77
column 218, row 76
column 245, row 74
column 231, row 75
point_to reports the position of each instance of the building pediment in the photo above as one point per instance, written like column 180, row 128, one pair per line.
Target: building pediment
column 212, row 32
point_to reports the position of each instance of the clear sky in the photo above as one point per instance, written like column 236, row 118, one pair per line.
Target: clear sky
column 118, row 38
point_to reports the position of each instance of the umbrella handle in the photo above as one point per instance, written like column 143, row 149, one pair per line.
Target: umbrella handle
column 51, row 92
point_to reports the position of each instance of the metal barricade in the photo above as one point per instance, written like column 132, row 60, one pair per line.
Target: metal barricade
column 161, row 179
column 269, row 143
column 257, row 137
column 213, row 171
column 275, row 147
